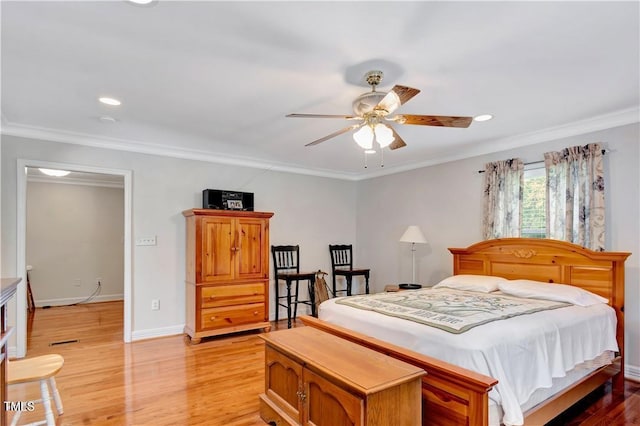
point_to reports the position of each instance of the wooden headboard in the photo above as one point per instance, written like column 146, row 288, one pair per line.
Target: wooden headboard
column 456, row 396
column 550, row 261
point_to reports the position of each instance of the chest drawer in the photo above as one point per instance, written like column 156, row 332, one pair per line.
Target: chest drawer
column 232, row 315
column 236, row 294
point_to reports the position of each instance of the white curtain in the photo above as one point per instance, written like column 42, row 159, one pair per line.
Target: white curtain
column 575, row 194
column 503, row 183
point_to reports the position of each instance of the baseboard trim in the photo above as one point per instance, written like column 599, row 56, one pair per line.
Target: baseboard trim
column 12, row 352
column 632, row 372
column 74, row 300
column 157, row 332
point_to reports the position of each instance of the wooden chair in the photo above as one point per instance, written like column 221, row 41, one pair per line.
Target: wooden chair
column 342, row 266
column 286, row 267
column 41, row 369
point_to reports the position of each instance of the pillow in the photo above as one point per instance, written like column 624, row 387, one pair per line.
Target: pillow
column 481, row 283
column 550, row 291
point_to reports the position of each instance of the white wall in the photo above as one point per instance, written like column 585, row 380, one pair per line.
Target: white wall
column 446, row 202
column 74, row 237
column 310, row 211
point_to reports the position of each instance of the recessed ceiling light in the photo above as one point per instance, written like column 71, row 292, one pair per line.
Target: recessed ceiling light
column 483, row 117
column 109, row 101
column 56, row 173
column 370, row 151
column 141, row 1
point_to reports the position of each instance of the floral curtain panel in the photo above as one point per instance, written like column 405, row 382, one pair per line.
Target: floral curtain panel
column 575, row 195
column 503, row 183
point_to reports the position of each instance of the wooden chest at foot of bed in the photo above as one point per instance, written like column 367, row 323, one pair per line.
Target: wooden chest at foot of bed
column 312, row 377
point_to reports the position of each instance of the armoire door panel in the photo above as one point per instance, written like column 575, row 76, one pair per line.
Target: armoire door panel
column 217, row 249
column 249, row 253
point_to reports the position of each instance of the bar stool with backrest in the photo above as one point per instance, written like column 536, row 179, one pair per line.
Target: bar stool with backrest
column 40, row 369
column 286, row 267
column 342, row 266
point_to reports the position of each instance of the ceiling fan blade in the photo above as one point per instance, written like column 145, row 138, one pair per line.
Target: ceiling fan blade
column 433, row 120
column 397, row 142
column 347, row 117
column 399, row 95
column 334, row 134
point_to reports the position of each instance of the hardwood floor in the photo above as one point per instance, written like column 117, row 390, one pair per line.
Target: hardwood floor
column 167, row 381
column 163, row 381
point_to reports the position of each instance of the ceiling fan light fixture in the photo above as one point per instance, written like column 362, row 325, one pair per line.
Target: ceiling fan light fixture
column 373, row 108
column 384, row 135
column 364, row 137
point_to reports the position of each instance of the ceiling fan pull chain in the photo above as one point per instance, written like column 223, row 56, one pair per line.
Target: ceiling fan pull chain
column 381, row 157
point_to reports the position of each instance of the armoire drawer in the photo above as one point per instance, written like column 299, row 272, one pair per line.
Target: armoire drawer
column 235, row 294
column 232, row 315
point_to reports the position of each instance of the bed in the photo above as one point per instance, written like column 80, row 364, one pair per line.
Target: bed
column 456, row 395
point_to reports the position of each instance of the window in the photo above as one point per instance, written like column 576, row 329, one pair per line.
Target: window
column 561, row 198
column 534, row 212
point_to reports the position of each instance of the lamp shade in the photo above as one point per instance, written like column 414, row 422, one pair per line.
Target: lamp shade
column 413, row 234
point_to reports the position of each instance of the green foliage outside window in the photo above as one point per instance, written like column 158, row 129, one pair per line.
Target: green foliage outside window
column 534, row 215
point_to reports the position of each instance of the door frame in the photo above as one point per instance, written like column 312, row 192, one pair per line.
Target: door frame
column 21, row 237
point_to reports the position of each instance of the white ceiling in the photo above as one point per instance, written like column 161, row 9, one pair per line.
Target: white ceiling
column 214, row 80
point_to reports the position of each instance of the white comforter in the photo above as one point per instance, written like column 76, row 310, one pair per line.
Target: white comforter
column 523, row 353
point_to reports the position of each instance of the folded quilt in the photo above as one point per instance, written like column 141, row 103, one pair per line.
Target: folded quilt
column 455, row 311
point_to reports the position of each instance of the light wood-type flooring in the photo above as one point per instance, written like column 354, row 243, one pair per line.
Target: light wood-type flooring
column 167, row 381
column 164, row 381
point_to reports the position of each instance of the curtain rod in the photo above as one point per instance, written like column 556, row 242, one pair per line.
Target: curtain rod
column 604, row 151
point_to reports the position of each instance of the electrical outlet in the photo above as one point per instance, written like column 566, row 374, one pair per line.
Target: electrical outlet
column 155, row 304
column 77, row 282
column 98, row 281
column 146, row 241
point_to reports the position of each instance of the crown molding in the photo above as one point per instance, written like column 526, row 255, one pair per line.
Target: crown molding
column 602, row 122
column 76, row 138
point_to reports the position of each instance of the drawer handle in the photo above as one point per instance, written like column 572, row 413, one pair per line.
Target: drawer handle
column 213, row 318
column 255, row 313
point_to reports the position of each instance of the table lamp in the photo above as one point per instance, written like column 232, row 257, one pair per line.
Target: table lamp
column 413, row 235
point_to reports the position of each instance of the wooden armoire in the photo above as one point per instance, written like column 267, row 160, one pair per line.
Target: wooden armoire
column 227, row 272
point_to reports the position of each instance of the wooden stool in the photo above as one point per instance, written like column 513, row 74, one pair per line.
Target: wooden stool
column 42, row 369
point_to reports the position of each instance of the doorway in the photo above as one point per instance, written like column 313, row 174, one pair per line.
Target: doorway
column 79, row 172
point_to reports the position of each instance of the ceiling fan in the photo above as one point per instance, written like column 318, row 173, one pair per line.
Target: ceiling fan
column 373, row 110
